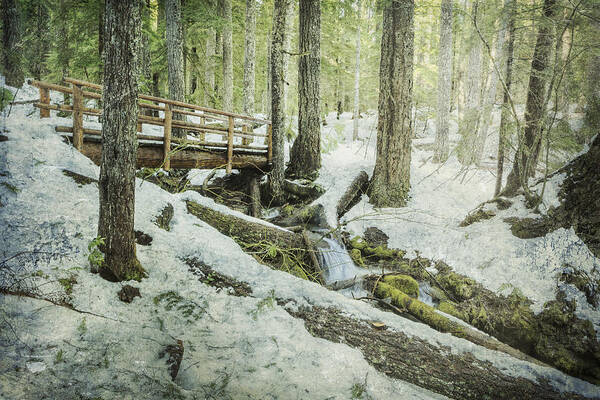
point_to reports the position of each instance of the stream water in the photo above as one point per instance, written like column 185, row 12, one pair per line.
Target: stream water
column 337, row 266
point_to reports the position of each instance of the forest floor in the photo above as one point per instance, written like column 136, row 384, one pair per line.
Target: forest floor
column 246, row 330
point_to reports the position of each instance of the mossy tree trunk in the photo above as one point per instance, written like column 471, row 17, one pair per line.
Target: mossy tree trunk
column 227, row 56
column 276, row 177
column 305, row 156
column 250, row 57
column 119, row 142
column 11, row 44
column 175, row 64
column 444, row 89
column 391, row 177
column 503, row 133
column 528, row 150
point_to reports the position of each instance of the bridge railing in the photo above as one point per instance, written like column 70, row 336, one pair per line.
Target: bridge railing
column 226, row 124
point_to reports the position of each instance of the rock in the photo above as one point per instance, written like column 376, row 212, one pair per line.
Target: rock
column 128, row 293
column 175, row 355
column 142, row 238
column 164, row 219
column 376, row 237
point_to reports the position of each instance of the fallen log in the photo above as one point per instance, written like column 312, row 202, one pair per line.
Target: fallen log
column 352, row 195
column 459, row 376
column 276, row 247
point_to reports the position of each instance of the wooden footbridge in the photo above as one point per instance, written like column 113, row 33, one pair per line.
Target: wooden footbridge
column 221, row 139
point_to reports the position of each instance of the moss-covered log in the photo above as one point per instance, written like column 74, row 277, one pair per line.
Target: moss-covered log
column 459, row 376
column 273, row 246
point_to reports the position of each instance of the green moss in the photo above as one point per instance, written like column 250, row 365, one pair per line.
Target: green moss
column 420, row 310
column 67, row 284
column 378, row 253
column 404, row 283
column 461, row 286
column 6, row 97
column 356, row 256
column 449, row 308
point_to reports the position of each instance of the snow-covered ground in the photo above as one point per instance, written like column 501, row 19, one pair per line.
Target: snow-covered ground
column 440, row 198
column 235, row 347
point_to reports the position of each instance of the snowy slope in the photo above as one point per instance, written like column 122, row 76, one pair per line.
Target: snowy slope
column 440, row 198
column 235, row 347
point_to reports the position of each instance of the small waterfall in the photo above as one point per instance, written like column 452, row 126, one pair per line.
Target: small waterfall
column 336, row 262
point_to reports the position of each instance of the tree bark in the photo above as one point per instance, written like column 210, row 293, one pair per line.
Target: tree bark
column 526, row 158
column 275, row 183
column 305, row 156
column 503, row 133
column 444, row 90
column 209, row 72
column 470, row 121
column 250, row 57
column 391, row 177
column 592, row 109
column 119, row 142
column 459, row 376
column 351, row 197
column 227, row 56
column 490, row 100
column 176, row 75
column 356, row 111
column 11, row 44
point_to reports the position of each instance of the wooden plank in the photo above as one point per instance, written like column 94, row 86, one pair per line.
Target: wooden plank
column 44, row 99
column 167, row 137
column 230, row 146
column 190, row 142
column 270, row 143
column 151, row 155
column 77, row 117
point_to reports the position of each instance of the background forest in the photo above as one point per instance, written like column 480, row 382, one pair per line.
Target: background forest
column 63, row 38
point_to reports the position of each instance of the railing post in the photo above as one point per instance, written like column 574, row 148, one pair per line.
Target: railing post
column 139, row 125
column 202, row 134
column 269, row 143
column 77, row 117
column 229, row 146
column 246, row 129
column 167, row 138
column 44, row 99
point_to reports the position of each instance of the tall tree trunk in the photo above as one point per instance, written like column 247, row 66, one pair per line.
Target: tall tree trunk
column 469, row 123
column 503, row 133
column 35, row 52
column 391, row 177
column 444, row 89
column 145, row 54
column 287, row 44
column 276, row 177
column 356, row 111
column 490, row 99
column 209, row 72
column 526, row 158
column 119, row 142
column 250, row 57
column 101, row 9
column 174, row 39
column 227, row 56
column 267, row 96
column 11, row 44
column 305, row 156
column 592, row 109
